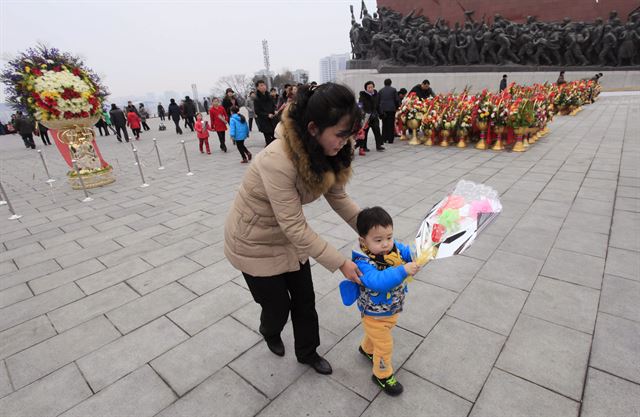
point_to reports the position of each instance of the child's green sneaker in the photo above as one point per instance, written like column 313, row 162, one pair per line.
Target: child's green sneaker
column 368, row 356
column 390, row 385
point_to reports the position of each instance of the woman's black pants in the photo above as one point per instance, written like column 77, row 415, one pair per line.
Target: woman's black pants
column 279, row 294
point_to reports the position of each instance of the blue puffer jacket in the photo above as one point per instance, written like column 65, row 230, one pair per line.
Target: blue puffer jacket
column 382, row 291
column 237, row 129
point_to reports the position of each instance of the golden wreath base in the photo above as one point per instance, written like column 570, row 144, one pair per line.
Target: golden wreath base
column 92, row 179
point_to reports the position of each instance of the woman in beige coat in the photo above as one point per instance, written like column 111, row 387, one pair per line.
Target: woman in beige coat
column 266, row 234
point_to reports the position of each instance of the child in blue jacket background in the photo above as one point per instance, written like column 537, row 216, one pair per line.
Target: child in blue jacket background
column 385, row 265
column 239, row 131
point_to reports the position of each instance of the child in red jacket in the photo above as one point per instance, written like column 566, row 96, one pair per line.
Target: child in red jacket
column 202, row 130
column 133, row 121
column 219, row 121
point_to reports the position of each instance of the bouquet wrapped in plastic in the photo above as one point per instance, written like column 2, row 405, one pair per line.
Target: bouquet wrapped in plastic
column 452, row 225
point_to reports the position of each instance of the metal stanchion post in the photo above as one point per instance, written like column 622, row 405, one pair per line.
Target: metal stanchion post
column 135, row 154
column 6, row 201
column 133, row 148
column 186, row 158
column 44, row 163
column 86, row 194
column 155, row 145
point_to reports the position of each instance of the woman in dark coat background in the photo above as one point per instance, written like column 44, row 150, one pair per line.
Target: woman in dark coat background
column 265, row 110
column 174, row 114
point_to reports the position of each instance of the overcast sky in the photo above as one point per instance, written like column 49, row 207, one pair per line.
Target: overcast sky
column 139, row 47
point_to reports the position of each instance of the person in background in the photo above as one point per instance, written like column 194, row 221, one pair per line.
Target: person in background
column 102, row 125
column 423, row 90
column 282, row 100
column 560, row 79
column 239, row 131
column 25, row 126
column 132, row 107
column 369, row 103
column 133, row 121
column 274, row 96
column 205, row 103
column 503, row 82
column 229, row 101
column 389, row 103
column 119, row 121
column 251, row 109
column 174, row 114
column 202, row 131
column 144, row 115
column 219, row 121
column 161, row 112
column 107, row 120
column 265, row 110
column 44, row 133
column 189, row 112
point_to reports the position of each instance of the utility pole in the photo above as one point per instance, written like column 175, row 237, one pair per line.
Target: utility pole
column 267, row 65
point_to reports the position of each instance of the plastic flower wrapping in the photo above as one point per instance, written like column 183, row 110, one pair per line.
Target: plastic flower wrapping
column 452, row 225
column 52, row 85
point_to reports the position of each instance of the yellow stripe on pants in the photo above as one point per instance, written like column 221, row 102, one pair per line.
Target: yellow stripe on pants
column 379, row 341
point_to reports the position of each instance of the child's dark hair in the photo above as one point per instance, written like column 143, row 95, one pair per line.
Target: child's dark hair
column 236, row 110
column 371, row 217
column 325, row 105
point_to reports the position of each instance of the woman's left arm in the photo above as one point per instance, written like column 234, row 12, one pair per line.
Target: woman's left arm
column 342, row 204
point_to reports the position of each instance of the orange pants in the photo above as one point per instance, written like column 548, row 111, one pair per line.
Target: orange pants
column 379, row 342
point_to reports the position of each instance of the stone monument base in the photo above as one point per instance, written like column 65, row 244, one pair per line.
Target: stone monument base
column 444, row 79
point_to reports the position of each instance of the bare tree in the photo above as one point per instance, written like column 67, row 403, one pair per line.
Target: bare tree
column 239, row 83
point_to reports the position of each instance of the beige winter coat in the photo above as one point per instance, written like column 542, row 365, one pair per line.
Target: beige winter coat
column 266, row 232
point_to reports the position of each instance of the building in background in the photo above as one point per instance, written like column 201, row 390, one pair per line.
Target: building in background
column 300, row 76
column 265, row 74
column 331, row 65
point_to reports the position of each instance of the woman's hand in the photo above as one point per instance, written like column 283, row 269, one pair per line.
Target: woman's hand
column 351, row 272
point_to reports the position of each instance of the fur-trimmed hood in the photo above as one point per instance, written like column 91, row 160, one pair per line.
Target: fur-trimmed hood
column 315, row 183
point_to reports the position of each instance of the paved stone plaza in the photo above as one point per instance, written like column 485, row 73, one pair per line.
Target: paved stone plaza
column 126, row 306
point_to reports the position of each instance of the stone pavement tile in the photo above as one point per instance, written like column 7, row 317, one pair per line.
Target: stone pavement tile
column 315, row 395
column 589, row 206
column 620, row 297
column 184, row 220
column 5, row 383
column 68, row 237
column 225, row 392
column 587, row 222
column 324, row 281
column 88, row 253
column 23, row 275
column 606, row 395
column 563, row 303
column 14, row 294
column 32, row 238
column 44, row 358
column 625, row 231
column 628, row 204
column 55, row 252
column 599, row 194
column 141, row 393
column 561, row 196
column 118, row 221
column 535, row 243
column 547, row 354
column 151, row 221
column 70, row 224
column 511, row 269
column 249, row 315
column 550, row 208
column 335, row 316
column 188, row 364
column 121, row 255
column 420, row 398
column 7, row 266
column 49, row 396
column 25, row 335
column 141, row 235
column 176, row 235
column 629, row 192
column 40, row 304
column 582, row 241
column 457, row 356
column 450, row 273
column 602, row 182
column 506, row 395
column 92, row 306
column 153, row 305
column 484, row 246
column 8, row 235
column 574, row 267
column 171, row 252
column 30, row 249
column 100, row 237
column 616, row 347
column 163, row 275
column 210, row 277
column 424, row 306
column 210, row 307
column 353, row 370
column 212, row 236
column 489, row 305
column 73, row 273
column 208, row 255
column 111, row 362
column 114, row 275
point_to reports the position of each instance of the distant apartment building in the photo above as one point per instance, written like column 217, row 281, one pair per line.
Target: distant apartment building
column 331, row 65
column 300, row 76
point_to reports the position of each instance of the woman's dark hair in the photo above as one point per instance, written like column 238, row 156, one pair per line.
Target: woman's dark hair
column 402, row 91
column 236, row 110
column 259, row 82
column 371, row 217
column 325, row 105
column 387, row 82
column 367, row 84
